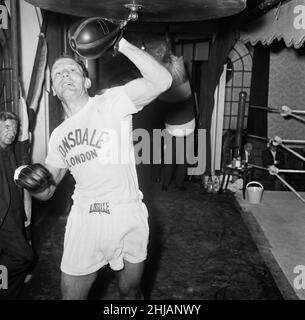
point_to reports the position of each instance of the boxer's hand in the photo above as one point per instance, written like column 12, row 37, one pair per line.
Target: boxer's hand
column 34, row 177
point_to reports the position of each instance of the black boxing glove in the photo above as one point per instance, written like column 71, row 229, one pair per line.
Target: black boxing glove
column 34, row 177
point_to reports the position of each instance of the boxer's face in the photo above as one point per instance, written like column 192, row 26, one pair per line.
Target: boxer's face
column 8, row 131
column 68, row 79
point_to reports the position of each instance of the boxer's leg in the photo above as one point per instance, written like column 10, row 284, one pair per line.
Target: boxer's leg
column 76, row 287
column 129, row 280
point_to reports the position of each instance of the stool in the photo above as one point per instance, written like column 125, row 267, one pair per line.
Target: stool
column 243, row 172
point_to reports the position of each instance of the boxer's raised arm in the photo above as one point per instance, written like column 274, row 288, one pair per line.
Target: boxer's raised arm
column 156, row 79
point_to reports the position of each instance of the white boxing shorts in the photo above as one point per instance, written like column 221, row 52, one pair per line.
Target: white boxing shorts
column 100, row 233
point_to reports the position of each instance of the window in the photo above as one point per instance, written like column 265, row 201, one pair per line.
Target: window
column 6, row 94
column 238, row 78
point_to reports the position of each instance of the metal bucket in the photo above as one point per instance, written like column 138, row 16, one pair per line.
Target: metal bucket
column 254, row 192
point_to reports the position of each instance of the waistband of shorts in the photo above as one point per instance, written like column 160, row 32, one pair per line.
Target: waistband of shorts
column 139, row 198
column 122, row 201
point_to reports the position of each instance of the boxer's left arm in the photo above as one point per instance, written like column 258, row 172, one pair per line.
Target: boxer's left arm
column 156, row 79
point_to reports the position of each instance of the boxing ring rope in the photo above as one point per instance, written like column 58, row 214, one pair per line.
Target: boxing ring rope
column 284, row 111
column 290, row 187
column 279, row 170
column 283, row 140
column 274, row 171
column 297, row 111
column 257, row 137
column 265, row 108
column 294, row 116
column 291, row 171
column 279, row 141
column 293, row 141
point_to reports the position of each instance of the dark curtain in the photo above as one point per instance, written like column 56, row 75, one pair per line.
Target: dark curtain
column 257, row 119
column 211, row 72
column 56, row 47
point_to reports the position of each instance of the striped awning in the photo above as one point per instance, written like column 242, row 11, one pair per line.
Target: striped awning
column 285, row 22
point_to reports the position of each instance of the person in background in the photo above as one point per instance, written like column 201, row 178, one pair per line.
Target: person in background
column 15, row 251
column 273, row 156
column 247, row 156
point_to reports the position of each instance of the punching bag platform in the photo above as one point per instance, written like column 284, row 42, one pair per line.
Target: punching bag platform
column 151, row 10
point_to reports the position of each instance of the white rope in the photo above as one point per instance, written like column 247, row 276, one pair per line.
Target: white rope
column 290, row 187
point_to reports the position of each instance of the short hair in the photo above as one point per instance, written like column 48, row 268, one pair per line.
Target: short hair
column 272, row 143
column 8, row 115
column 77, row 60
